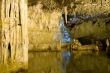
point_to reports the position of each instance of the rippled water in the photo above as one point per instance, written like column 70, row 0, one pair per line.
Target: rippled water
column 67, row 62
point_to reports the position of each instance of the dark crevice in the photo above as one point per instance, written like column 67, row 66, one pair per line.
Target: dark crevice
column 108, row 52
column 9, row 49
column 103, row 45
column 10, row 11
column 93, row 22
column 19, row 24
column 5, row 8
column 19, row 16
column 107, row 22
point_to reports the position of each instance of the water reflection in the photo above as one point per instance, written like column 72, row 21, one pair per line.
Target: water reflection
column 67, row 61
column 66, row 56
column 66, row 38
column 64, row 62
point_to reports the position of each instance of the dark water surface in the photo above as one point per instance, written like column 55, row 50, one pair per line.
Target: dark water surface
column 66, row 62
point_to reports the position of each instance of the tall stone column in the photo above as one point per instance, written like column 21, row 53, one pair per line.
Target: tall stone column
column 0, row 46
column 14, row 19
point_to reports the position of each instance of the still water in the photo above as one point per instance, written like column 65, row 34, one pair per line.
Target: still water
column 67, row 62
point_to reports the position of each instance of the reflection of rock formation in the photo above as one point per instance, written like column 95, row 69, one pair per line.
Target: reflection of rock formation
column 66, row 56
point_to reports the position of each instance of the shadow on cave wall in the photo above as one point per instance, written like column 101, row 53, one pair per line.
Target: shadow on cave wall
column 32, row 2
column 0, row 8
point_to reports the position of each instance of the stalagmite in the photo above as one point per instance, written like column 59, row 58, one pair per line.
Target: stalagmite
column 65, row 10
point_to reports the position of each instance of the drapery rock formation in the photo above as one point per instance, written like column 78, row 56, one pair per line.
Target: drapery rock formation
column 44, row 24
column 43, row 27
column 14, row 32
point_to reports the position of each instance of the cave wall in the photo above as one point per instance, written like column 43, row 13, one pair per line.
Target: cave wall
column 43, row 25
column 14, row 37
column 97, row 28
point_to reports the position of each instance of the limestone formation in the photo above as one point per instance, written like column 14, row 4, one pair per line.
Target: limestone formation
column 14, row 31
column 108, row 46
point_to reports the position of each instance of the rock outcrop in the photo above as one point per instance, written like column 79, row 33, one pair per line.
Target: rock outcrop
column 14, row 32
column 43, row 26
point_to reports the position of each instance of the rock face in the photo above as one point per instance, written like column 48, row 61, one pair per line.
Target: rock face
column 0, row 33
column 14, row 31
column 96, row 28
column 93, row 20
column 43, row 27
